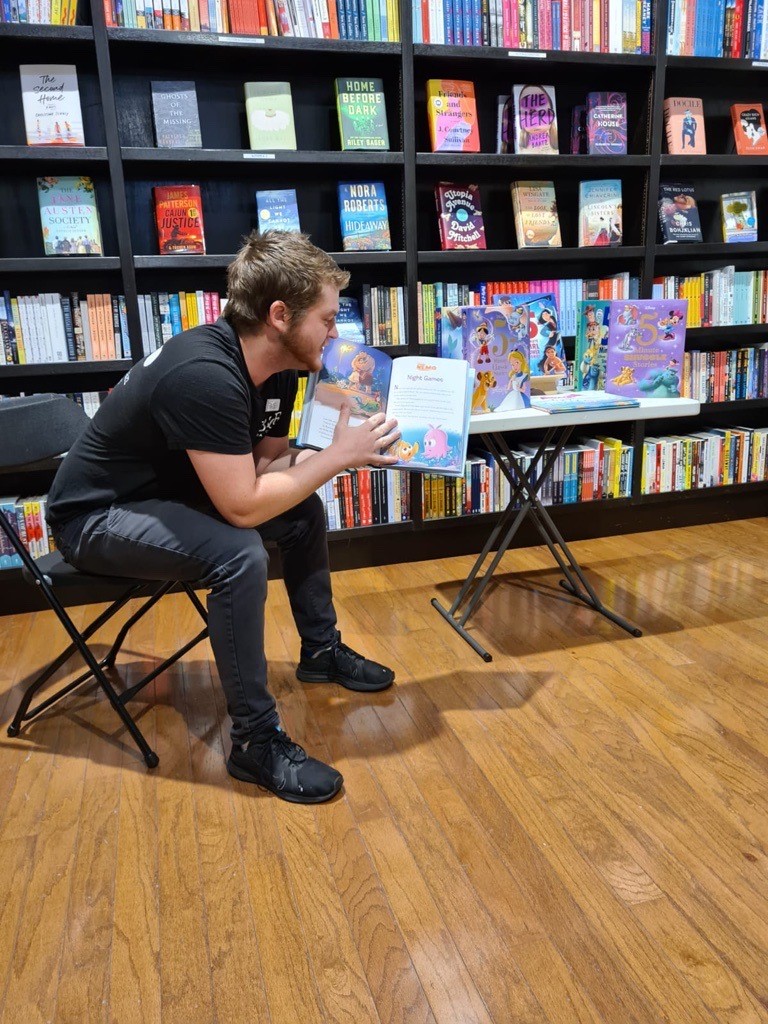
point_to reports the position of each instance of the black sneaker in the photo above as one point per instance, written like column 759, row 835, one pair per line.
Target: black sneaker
column 340, row 664
column 284, row 768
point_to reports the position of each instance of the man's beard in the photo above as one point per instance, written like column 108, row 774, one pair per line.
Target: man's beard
column 301, row 349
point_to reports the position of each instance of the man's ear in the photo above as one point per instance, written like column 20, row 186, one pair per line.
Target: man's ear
column 279, row 316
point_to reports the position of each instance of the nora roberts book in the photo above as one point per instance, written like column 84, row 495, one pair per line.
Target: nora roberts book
column 364, row 217
column 459, row 216
column 175, row 114
column 269, row 111
column 600, row 221
column 452, row 113
column 362, row 114
column 179, row 219
column 69, row 217
column 535, row 207
column 684, row 125
column 51, row 102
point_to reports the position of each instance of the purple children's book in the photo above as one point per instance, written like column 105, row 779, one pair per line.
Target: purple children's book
column 646, row 341
column 607, row 123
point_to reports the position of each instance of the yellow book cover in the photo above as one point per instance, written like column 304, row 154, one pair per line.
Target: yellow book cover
column 452, row 113
column 192, row 316
column 19, row 333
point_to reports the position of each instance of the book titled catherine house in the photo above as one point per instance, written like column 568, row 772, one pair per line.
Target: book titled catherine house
column 459, row 216
column 607, row 123
column 364, row 217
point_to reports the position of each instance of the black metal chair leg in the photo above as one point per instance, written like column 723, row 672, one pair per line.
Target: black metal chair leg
column 109, row 660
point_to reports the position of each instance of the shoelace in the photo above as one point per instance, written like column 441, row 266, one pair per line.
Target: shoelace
column 287, row 747
column 355, row 658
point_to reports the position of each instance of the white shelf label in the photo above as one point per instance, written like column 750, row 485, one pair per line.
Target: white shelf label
column 760, row 63
column 230, row 38
column 258, row 156
column 535, row 54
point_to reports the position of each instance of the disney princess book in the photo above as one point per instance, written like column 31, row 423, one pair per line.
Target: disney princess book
column 429, row 397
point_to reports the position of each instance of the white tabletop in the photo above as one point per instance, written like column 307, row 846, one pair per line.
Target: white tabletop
column 531, row 419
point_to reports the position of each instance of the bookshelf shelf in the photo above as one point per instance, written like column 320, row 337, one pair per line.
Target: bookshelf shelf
column 64, row 33
column 370, row 531
column 58, row 264
column 595, row 254
column 536, row 58
column 57, row 154
column 739, row 250
column 220, row 261
column 740, row 405
column 73, row 369
column 703, row 492
column 316, row 47
column 710, row 161
column 722, row 64
column 256, row 158
column 738, row 330
column 565, row 162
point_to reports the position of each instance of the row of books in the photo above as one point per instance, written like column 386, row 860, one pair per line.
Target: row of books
column 593, row 469
column 38, row 12
column 716, row 457
column 595, row 26
column 163, row 314
column 703, row 28
column 685, row 127
column 366, row 497
column 567, row 292
column 726, row 376
column 55, row 328
column 27, row 516
column 313, row 19
column 720, row 297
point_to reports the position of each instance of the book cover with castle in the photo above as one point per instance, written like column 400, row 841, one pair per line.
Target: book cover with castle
column 593, row 318
column 364, row 217
column 430, row 397
column 600, row 221
column 535, row 119
column 684, row 125
column 179, row 219
column 607, row 123
column 460, row 216
column 175, row 115
column 269, row 111
column 51, row 102
column 362, row 114
column 452, row 114
column 646, row 344
column 535, row 208
column 69, row 216
column 494, row 341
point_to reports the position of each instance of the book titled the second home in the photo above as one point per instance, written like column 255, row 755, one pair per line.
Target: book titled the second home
column 179, row 219
column 364, row 217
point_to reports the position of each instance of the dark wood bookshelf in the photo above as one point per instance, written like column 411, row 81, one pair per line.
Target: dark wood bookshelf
column 115, row 67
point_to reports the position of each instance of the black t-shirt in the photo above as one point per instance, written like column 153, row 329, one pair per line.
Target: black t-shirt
column 194, row 392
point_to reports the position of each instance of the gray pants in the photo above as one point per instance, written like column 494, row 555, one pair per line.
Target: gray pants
column 166, row 540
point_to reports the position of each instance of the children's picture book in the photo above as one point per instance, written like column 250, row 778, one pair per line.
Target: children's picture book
column 580, row 401
column 429, row 397
column 738, row 211
column 600, row 221
column 535, row 119
column 51, row 102
column 364, row 217
column 349, row 322
column 179, row 219
column 494, row 342
column 535, row 207
column 69, row 216
column 607, row 123
column 362, row 114
column 579, row 129
column 678, row 213
column 748, row 120
column 452, row 114
column 646, row 343
column 504, row 124
column 175, row 115
column 269, row 111
column 547, row 349
column 460, row 216
column 684, row 125
column 277, row 210
column 593, row 318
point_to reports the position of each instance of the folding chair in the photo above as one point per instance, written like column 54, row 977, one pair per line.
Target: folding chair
column 34, row 430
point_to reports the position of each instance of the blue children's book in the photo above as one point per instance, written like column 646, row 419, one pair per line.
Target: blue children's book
column 580, row 401
column 494, row 341
column 593, row 318
column 429, row 397
column 277, row 210
column 349, row 323
column 363, row 216
column 547, row 351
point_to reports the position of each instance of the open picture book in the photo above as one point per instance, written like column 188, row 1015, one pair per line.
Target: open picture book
column 429, row 397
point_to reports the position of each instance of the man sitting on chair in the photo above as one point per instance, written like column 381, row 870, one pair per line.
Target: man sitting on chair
column 185, row 470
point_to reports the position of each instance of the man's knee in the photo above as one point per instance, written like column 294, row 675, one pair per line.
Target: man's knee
column 247, row 556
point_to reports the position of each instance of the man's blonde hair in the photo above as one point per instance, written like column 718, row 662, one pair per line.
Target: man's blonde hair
column 277, row 266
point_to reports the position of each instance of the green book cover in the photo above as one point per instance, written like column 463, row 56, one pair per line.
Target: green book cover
column 269, row 110
column 362, row 113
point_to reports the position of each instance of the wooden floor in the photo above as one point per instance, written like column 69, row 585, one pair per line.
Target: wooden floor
column 575, row 833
